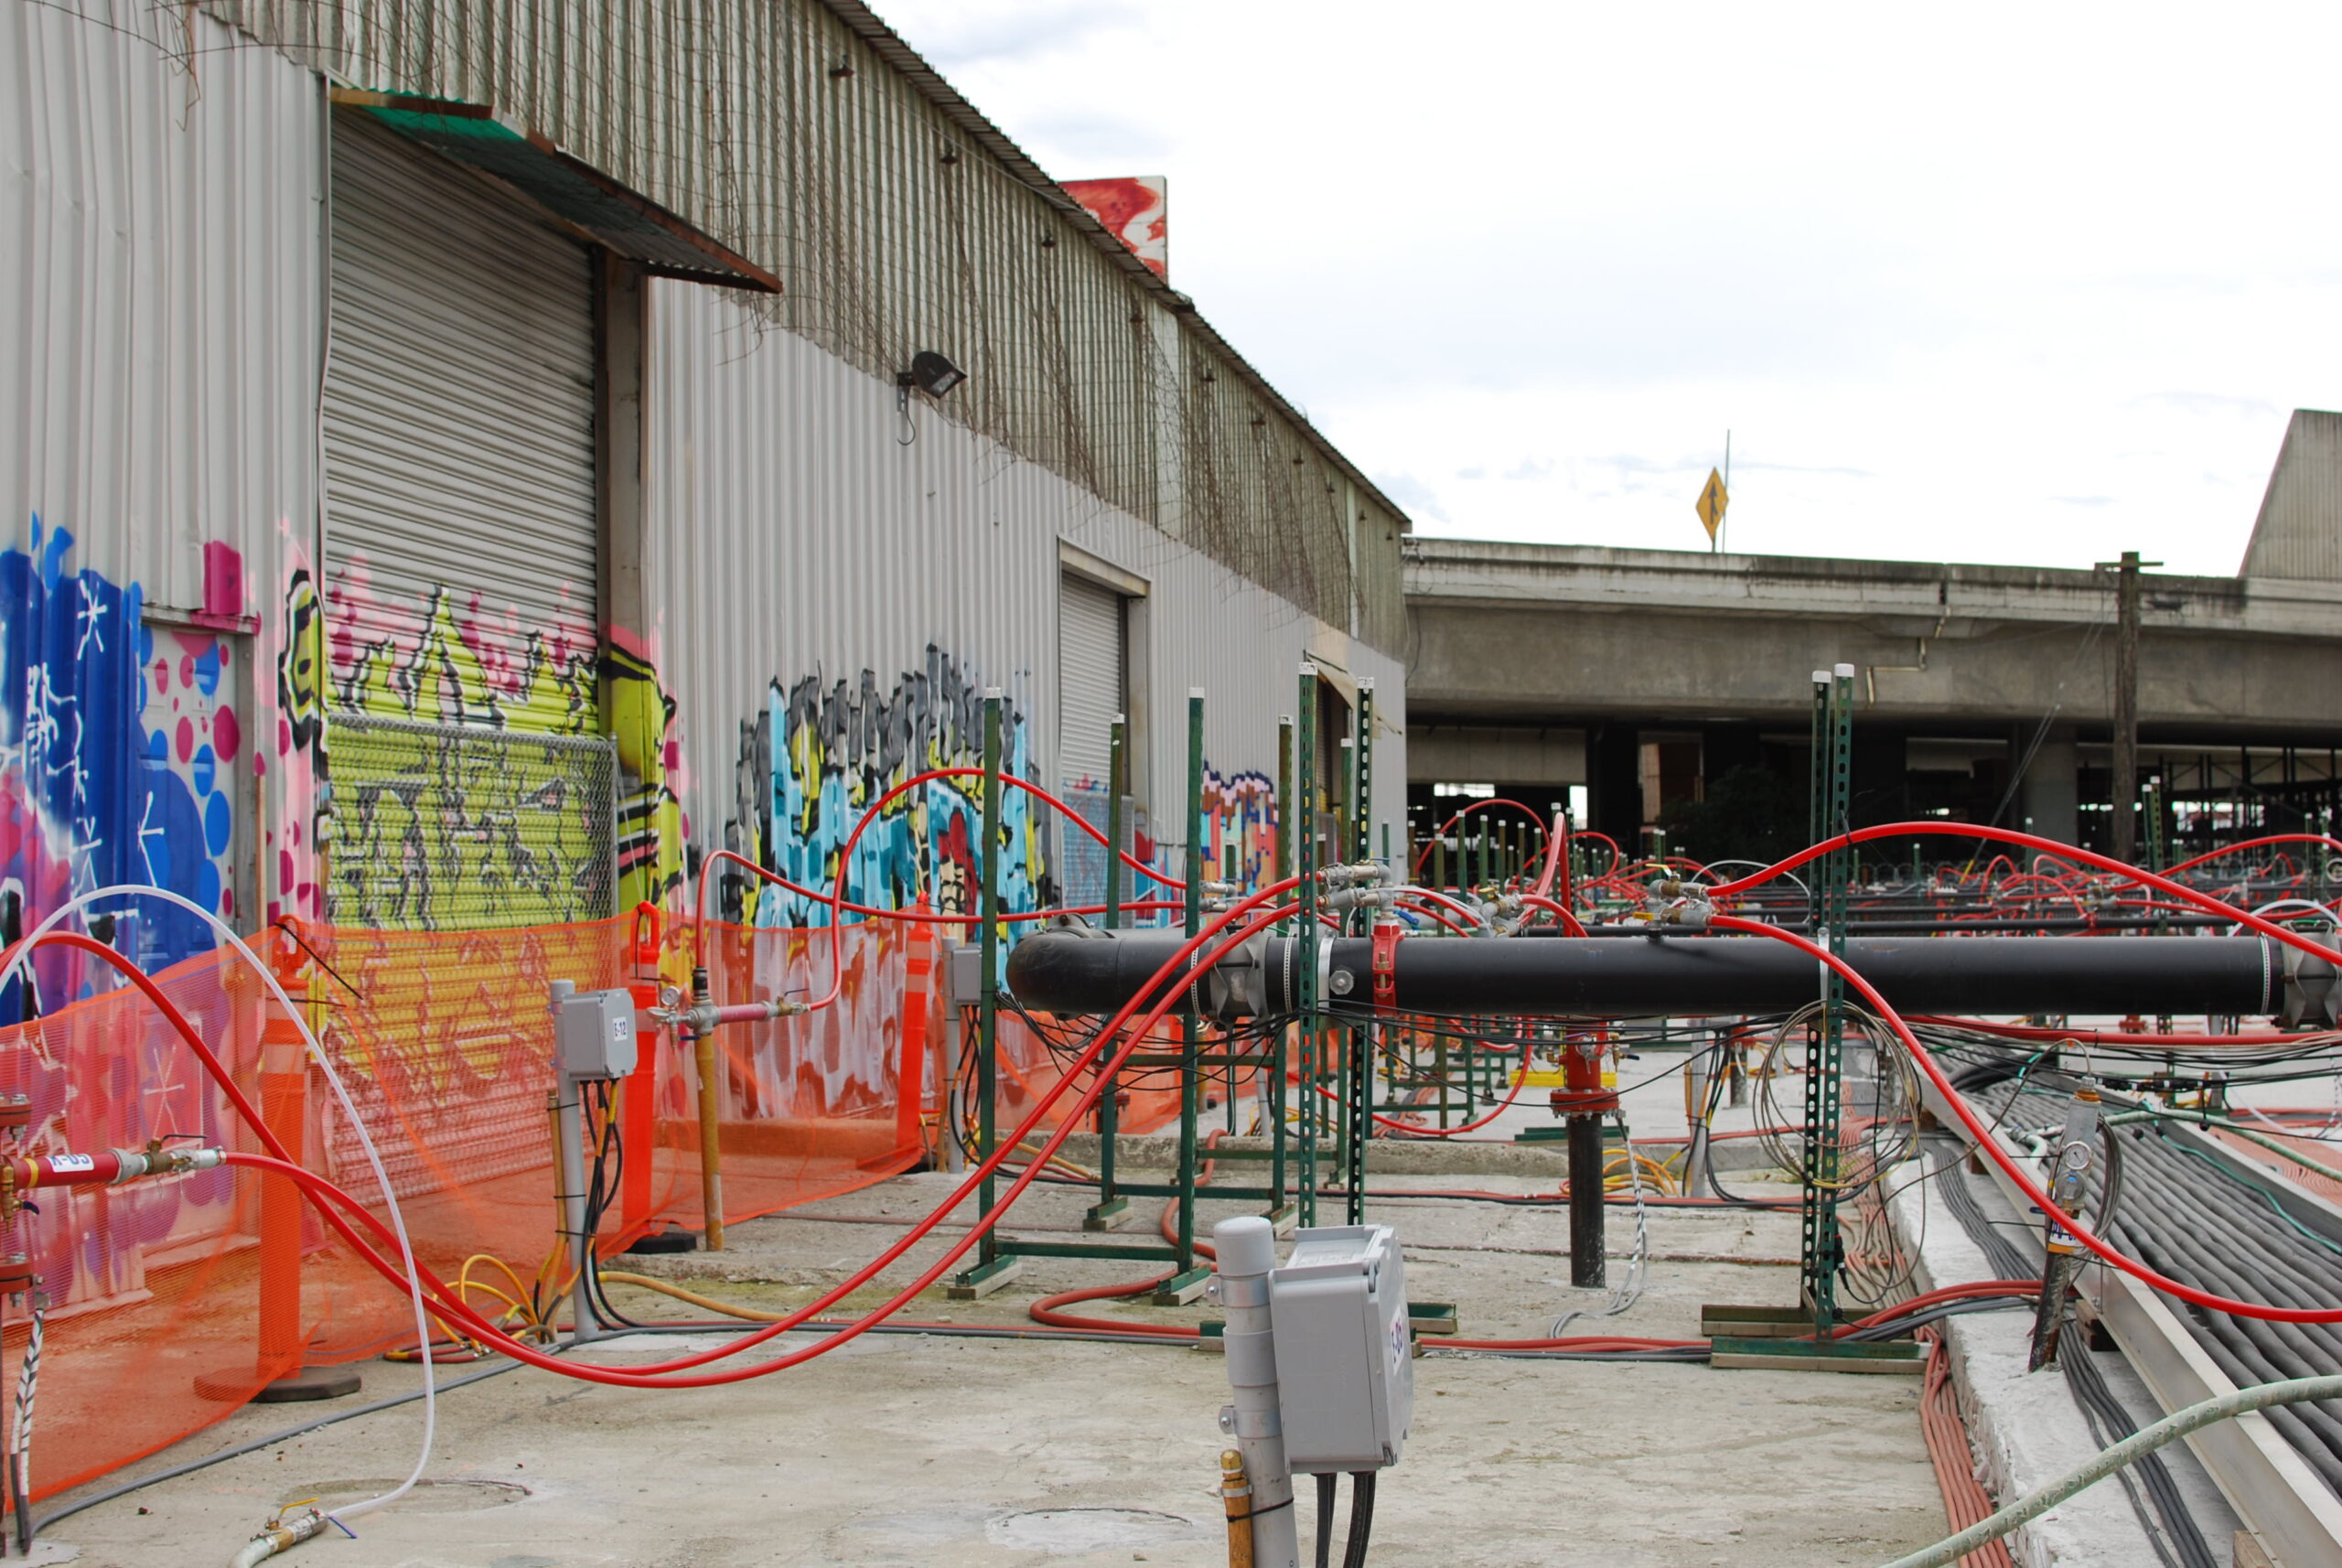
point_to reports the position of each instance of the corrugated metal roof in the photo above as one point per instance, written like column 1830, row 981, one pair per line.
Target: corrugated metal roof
column 2299, row 532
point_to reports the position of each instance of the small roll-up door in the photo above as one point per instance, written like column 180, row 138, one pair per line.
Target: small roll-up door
column 461, row 536
column 1090, row 678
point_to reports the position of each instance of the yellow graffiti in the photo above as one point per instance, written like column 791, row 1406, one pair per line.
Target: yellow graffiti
column 651, row 818
column 441, row 679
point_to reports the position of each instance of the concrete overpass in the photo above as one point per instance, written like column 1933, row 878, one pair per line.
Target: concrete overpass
column 1645, row 675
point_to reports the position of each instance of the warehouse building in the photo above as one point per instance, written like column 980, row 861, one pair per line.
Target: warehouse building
column 461, row 480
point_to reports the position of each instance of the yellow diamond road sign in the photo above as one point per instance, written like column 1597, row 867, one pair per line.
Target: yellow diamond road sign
column 1713, row 501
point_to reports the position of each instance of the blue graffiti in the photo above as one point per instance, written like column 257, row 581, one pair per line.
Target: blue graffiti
column 823, row 754
column 87, row 797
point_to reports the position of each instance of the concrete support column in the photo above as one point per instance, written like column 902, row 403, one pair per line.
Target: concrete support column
column 2049, row 797
column 1613, row 785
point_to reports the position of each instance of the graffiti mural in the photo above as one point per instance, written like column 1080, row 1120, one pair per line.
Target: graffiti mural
column 300, row 746
column 485, row 818
column 824, row 751
column 441, row 664
column 651, row 831
column 1241, row 813
column 88, row 795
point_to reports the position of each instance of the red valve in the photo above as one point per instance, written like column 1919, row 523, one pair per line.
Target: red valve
column 649, row 934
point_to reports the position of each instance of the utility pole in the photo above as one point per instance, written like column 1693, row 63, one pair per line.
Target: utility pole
column 2126, row 704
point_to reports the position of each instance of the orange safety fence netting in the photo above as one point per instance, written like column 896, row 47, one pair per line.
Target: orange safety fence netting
column 174, row 1300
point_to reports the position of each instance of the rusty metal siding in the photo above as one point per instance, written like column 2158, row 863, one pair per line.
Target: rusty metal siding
column 806, row 135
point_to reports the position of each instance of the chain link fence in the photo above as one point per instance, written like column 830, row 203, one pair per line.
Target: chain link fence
column 447, row 827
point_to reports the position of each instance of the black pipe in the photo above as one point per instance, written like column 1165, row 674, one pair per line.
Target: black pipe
column 1912, row 928
column 1094, row 971
column 1586, row 1242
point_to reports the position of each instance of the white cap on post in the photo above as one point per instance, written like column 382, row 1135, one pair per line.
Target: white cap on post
column 1247, row 1244
column 1844, row 672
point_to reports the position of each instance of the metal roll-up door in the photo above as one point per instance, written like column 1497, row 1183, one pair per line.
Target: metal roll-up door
column 461, row 553
column 1090, row 678
column 461, row 536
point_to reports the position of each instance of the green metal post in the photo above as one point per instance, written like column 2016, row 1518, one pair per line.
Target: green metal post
column 1822, row 1250
column 1305, row 759
column 1275, row 1048
column 1364, row 1038
column 1187, row 1277
column 991, row 1263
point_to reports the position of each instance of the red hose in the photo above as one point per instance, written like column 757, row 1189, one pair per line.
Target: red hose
column 1991, row 1147
column 2004, row 835
column 331, row 1198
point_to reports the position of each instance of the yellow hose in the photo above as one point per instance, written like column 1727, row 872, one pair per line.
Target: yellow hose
column 668, row 1287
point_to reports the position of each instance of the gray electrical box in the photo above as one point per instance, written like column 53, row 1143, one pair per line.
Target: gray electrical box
column 1346, row 1370
column 967, row 973
column 593, row 1033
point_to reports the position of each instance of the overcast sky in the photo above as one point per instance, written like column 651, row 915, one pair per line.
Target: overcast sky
column 2014, row 283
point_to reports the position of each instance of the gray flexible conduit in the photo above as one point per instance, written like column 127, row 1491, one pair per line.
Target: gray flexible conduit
column 2193, row 1220
column 2156, row 1497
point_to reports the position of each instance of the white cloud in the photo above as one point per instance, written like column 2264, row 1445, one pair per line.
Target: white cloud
column 1945, row 277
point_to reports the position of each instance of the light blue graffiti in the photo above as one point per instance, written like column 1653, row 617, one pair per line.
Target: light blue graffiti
column 823, row 752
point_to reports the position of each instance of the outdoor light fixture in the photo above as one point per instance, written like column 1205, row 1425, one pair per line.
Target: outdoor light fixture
column 932, row 373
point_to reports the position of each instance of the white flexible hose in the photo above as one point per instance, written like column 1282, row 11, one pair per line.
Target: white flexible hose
column 349, row 1109
column 2146, row 1440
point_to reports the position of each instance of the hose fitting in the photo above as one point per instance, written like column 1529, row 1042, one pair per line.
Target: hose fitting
column 283, row 1535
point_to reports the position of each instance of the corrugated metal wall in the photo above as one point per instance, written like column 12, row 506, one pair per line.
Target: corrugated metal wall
column 797, row 548
column 160, row 182
column 805, row 135
column 158, row 351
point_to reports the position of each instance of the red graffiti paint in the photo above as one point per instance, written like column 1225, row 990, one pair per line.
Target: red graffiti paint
column 227, row 733
column 186, row 740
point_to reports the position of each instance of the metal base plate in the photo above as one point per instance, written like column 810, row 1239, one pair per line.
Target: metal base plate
column 308, row 1383
column 983, row 1279
column 1895, row 1358
column 1181, row 1289
column 1110, row 1215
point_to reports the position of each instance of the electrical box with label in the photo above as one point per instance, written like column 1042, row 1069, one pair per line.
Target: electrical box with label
column 1346, row 1370
column 593, row 1033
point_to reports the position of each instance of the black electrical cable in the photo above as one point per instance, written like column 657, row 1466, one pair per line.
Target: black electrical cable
column 2200, row 1223
column 1361, row 1518
column 1325, row 1521
column 2162, row 1511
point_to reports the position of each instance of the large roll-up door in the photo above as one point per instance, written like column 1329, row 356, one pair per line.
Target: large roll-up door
column 461, row 570
column 1090, row 678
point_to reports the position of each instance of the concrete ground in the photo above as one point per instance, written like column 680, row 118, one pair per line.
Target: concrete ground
column 924, row 1449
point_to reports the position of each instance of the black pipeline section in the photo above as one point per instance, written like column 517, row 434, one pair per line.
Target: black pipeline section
column 1676, row 976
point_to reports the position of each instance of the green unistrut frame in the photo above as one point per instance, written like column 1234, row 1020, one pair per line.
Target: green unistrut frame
column 996, row 1260
column 1821, row 1245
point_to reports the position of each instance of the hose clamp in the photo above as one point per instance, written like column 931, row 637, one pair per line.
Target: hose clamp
column 1386, row 964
